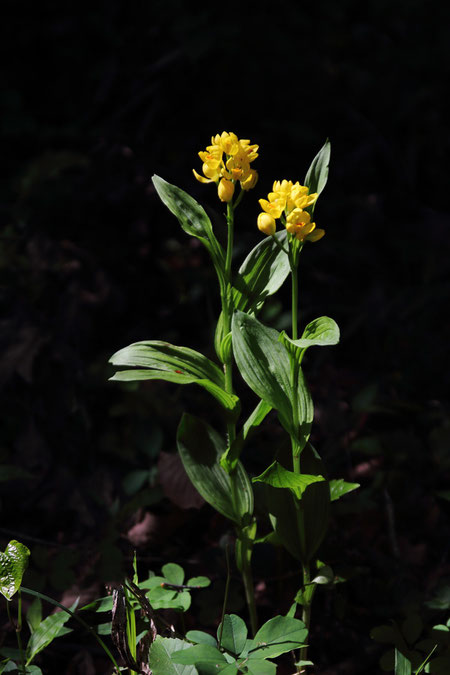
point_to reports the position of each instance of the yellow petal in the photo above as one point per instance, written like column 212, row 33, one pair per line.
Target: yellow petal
column 200, row 178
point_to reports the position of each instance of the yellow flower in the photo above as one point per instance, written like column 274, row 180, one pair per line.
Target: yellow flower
column 225, row 190
column 299, row 224
column 266, row 223
column 292, row 199
column 229, row 159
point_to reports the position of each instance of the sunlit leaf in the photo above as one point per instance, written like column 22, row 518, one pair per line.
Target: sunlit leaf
column 13, row 563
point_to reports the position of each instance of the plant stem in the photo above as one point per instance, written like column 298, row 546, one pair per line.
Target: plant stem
column 18, row 627
column 225, row 598
column 306, row 612
column 247, row 578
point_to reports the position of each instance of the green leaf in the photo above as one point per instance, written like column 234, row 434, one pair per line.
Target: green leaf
column 34, row 614
column 317, row 175
column 279, row 477
column 199, row 582
column 201, row 638
column 173, row 573
column 200, row 654
column 157, row 360
column 160, row 660
column 13, row 563
column 192, row 218
column 234, row 634
column 339, row 487
column 201, row 448
column 280, row 635
column 265, row 366
column 49, row 629
column 402, row 664
column 321, row 332
column 258, row 666
column 315, row 508
column 261, row 274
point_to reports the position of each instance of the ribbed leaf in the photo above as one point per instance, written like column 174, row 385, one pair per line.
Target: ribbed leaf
column 321, row 332
column 160, row 660
column 201, row 448
column 265, row 366
column 261, row 274
column 339, row 487
column 279, row 477
column 201, row 654
column 192, row 218
column 157, row 360
column 317, row 175
column 49, row 629
column 280, row 635
column 13, row 563
column 234, row 634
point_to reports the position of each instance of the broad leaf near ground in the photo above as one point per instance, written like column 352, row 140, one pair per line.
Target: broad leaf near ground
column 13, row 563
column 160, row 657
column 278, row 636
column 201, row 448
column 234, row 634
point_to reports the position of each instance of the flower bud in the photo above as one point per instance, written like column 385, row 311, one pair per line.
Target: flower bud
column 250, row 180
column 266, row 223
column 225, row 190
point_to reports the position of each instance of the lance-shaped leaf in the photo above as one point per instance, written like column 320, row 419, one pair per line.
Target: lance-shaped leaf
column 279, row 477
column 51, row 627
column 261, row 274
column 339, row 487
column 264, row 364
column 157, row 360
column 13, row 563
column 201, row 448
column 321, row 332
column 192, row 218
column 317, row 175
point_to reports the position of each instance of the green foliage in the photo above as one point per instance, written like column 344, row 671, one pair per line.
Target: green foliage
column 239, row 654
column 261, row 274
column 13, row 563
column 317, row 175
column 265, row 366
column 201, row 449
column 156, row 360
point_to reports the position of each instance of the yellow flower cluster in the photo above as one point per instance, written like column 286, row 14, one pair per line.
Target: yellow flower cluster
column 292, row 199
column 226, row 161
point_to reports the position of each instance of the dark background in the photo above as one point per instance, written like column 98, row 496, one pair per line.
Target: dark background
column 97, row 100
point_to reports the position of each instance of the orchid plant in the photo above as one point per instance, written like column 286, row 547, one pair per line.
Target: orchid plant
column 296, row 488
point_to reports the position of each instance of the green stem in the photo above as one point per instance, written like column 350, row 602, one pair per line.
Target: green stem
column 18, row 627
column 306, row 612
column 225, row 598
column 247, row 578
